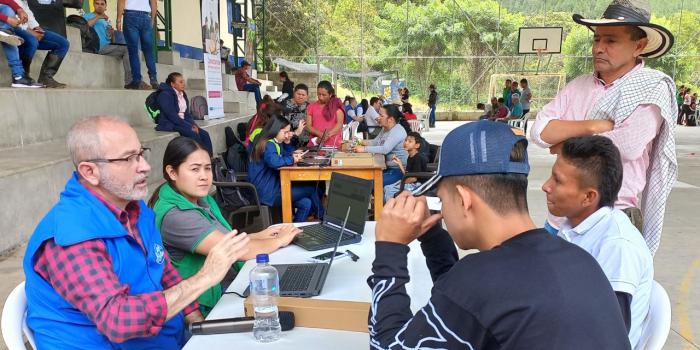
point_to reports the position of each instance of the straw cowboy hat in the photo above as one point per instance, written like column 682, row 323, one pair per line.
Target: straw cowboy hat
column 633, row 13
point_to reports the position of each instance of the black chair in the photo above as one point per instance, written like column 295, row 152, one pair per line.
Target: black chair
column 434, row 157
column 248, row 218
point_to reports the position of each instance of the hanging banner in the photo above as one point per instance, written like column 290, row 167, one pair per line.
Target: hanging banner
column 212, row 59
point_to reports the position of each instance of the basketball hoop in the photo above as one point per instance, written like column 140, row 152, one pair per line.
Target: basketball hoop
column 540, row 51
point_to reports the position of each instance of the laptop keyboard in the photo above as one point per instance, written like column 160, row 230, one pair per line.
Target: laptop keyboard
column 297, row 277
column 324, row 235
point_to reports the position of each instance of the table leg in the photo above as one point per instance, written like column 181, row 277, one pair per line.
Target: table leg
column 286, row 189
column 378, row 194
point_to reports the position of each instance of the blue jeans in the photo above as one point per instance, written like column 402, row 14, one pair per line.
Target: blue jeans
column 254, row 88
column 11, row 52
column 202, row 137
column 393, row 189
column 305, row 198
column 431, row 118
column 390, row 175
column 138, row 28
column 51, row 41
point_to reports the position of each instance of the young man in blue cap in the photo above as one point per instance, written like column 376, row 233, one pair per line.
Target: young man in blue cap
column 525, row 289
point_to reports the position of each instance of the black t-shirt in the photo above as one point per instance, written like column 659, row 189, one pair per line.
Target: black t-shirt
column 534, row 291
column 417, row 163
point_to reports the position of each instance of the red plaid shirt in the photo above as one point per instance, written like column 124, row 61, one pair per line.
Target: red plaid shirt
column 82, row 274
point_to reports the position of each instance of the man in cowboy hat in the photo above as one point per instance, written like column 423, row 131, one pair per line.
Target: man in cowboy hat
column 632, row 105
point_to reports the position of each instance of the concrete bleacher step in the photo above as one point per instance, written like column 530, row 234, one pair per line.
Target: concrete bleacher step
column 41, row 115
column 33, row 176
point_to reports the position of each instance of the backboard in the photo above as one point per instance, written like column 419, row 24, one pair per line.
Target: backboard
column 540, row 40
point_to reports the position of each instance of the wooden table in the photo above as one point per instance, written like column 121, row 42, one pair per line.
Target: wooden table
column 315, row 173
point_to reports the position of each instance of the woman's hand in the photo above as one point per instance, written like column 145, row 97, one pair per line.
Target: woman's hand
column 283, row 234
column 297, row 157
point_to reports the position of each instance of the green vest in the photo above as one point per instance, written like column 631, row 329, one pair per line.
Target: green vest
column 192, row 262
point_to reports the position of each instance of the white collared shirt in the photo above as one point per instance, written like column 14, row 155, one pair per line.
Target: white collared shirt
column 138, row 5
column 371, row 116
column 609, row 236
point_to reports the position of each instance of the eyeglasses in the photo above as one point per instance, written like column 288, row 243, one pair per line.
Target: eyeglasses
column 131, row 159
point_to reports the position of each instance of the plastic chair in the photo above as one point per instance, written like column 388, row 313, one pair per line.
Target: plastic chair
column 657, row 325
column 14, row 320
column 520, row 123
column 416, row 125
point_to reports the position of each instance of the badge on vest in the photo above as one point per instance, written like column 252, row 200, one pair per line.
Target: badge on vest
column 160, row 254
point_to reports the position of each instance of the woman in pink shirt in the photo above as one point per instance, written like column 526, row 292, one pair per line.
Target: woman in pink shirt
column 327, row 113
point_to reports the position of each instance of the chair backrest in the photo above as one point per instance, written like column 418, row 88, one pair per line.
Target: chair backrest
column 658, row 322
column 416, row 125
column 14, row 320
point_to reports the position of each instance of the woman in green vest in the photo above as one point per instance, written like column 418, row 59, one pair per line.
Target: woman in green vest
column 190, row 221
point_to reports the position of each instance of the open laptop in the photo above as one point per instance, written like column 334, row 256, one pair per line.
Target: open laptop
column 345, row 191
column 313, row 156
column 307, row 280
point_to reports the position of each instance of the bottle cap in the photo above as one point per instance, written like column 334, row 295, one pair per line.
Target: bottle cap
column 262, row 258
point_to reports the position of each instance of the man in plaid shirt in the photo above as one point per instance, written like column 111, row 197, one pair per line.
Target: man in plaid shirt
column 97, row 273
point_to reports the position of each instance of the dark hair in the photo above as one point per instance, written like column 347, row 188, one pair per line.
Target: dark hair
column 636, row 33
column 480, row 106
column 431, row 87
column 523, row 81
column 348, row 98
column 301, row 87
column 501, row 100
column 373, row 100
column 176, row 152
column 244, row 63
column 364, row 104
column 268, row 108
column 416, row 137
column 283, row 74
column 509, row 80
column 407, row 108
column 393, row 112
column 270, row 131
column 171, row 77
column 599, row 164
column 504, row 193
column 326, row 85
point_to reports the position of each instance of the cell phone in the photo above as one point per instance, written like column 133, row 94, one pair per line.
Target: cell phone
column 327, row 256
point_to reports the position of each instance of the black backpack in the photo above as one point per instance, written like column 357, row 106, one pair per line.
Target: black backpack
column 152, row 107
column 234, row 198
column 88, row 35
column 236, row 156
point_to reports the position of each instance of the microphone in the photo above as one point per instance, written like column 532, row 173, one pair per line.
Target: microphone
column 237, row 325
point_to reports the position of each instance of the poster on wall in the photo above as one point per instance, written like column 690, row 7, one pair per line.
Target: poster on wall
column 212, row 58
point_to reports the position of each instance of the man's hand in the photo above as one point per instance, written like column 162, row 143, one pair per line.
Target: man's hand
column 220, row 258
column 119, row 24
column 358, row 149
column 23, row 18
column 395, row 159
column 13, row 21
column 104, row 16
column 36, row 34
column 192, row 317
column 601, row 126
column 404, row 218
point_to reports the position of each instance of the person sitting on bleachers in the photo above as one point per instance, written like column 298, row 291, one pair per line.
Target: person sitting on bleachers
column 191, row 222
column 97, row 275
column 583, row 187
column 11, row 16
column 271, row 152
column 37, row 38
column 175, row 111
column 245, row 83
column 287, row 85
column 98, row 20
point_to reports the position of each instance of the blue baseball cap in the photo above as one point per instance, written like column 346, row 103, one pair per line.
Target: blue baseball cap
column 477, row 148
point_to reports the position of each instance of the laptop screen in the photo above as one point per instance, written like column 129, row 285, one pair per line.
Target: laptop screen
column 348, row 191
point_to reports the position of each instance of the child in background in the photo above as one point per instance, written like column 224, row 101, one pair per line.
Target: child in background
column 417, row 163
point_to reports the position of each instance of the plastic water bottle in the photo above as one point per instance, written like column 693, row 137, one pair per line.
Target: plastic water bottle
column 264, row 287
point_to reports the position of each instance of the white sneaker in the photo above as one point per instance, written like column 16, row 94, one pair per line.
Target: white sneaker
column 9, row 38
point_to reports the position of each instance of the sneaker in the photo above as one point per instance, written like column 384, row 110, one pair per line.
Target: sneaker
column 154, row 84
column 7, row 36
column 25, row 82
